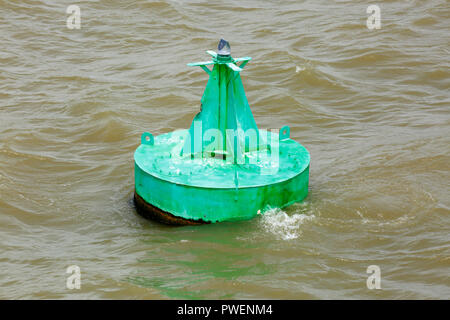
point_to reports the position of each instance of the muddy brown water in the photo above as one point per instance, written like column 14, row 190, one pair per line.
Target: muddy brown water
column 371, row 106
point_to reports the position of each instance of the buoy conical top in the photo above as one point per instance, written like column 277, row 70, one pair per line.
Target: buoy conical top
column 224, row 110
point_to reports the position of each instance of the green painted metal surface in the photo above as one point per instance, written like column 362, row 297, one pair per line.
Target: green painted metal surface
column 222, row 168
column 224, row 106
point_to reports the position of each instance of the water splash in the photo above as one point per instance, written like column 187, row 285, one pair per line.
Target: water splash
column 282, row 225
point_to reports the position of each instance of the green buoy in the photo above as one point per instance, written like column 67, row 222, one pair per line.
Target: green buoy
column 223, row 168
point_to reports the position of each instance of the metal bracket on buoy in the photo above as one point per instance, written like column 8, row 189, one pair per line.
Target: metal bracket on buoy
column 222, row 57
column 147, row 138
column 285, row 133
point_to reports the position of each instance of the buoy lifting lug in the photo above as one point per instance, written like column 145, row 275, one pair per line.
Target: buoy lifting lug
column 285, row 133
column 147, row 138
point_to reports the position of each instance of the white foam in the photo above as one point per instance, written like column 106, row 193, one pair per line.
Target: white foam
column 282, row 225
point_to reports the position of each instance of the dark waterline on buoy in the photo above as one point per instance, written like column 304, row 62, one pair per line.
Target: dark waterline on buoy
column 151, row 212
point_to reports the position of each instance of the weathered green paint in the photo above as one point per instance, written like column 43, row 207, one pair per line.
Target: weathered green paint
column 179, row 172
column 223, row 105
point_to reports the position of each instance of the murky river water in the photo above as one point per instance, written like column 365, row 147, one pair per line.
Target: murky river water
column 372, row 107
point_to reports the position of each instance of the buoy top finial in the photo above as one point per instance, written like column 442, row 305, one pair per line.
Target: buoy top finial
column 223, row 48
